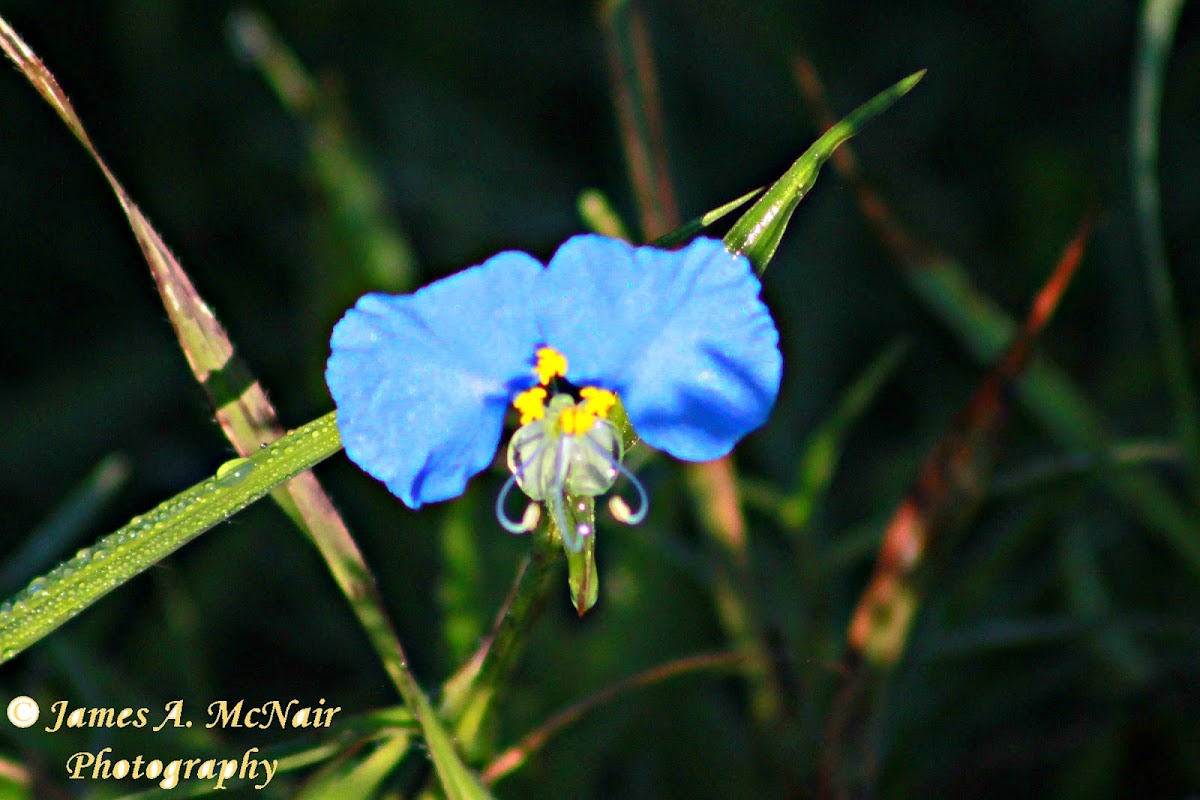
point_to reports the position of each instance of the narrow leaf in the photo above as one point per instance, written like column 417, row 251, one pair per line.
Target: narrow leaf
column 823, row 449
column 370, row 244
column 695, row 226
column 756, row 235
column 1160, row 18
column 1090, row 598
column 67, row 524
column 469, row 695
column 951, row 483
column 639, row 112
column 458, row 781
column 1046, row 392
column 362, row 776
column 52, row 599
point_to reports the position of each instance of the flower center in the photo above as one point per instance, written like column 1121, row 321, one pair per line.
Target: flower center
column 564, row 447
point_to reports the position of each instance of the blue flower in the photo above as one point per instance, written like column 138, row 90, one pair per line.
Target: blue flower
column 422, row 382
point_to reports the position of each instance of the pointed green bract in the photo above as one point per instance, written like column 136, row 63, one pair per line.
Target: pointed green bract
column 756, row 235
column 583, row 577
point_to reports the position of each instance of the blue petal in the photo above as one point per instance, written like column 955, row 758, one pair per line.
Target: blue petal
column 681, row 335
column 422, row 381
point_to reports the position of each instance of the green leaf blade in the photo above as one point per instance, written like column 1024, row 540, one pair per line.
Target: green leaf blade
column 757, row 234
column 56, row 597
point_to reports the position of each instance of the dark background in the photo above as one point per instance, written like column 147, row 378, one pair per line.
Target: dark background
column 482, row 122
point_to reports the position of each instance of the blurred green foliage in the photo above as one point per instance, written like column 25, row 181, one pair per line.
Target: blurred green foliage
column 1057, row 654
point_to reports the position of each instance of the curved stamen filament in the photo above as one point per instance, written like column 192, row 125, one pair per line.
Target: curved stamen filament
column 617, row 504
column 533, row 512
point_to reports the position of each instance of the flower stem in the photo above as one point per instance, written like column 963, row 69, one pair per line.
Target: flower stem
column 468, row 694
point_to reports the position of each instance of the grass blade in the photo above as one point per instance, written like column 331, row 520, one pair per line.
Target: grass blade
column 67, row 523
column 694, row 226
column 468, row 695
column 951, row 484
column 1046, row 392
column 360, row 777
column 823, row 449
column 52, row 599
column 372, row 246
column 1157, row 30
column 756, row 235
column 458, row 781
column 639, row 112
column 249, row 421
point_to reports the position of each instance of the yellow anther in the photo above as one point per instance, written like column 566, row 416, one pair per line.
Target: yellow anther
column 597, row 401
column 576, row 420
column 531, row 403
column 550, row 364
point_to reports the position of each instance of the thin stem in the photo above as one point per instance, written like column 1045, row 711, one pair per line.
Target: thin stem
column 514, row 757
column 468, row 694
column 1119, row 456
column 1159, row 21
column 714, row 484
column 639, row 111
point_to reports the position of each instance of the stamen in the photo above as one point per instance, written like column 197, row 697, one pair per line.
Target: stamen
column 529, row 519
column 620, row 509
column 533, row 512
column 597, row 401
column 576, row 420
column 550, row 364
column 616, row 504
column 531, row 403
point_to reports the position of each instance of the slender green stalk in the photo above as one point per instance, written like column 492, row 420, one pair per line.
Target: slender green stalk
column 514, row 757
column 469, row 693
column 1159, row 20
column 632, row 76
